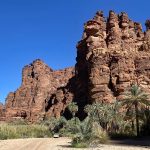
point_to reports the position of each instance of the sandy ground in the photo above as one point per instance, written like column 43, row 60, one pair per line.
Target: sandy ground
column 55, row 144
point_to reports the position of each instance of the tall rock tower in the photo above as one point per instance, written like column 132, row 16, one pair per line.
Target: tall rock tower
column 114, row 53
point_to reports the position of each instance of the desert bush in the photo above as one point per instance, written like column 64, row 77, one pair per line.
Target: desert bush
column 70, row 128
column 54, row 124
column 8, row 131
column 18, row 122
column 98, row 135
column 89, row 134
column 76, row 143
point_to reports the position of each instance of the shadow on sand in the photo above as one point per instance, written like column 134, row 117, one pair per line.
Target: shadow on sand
column 142, row 141
column 137, row 142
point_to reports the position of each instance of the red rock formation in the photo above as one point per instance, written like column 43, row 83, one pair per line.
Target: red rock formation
column 39, row 82
column 112, row 55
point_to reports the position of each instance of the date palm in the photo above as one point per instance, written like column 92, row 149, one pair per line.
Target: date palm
column 103, row 113
column 134, row 99
column 73, row 107
column 95, row 112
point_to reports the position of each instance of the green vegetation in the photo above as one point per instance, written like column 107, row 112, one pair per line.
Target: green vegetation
column 73, row 107
column 9, row 131
column 107, row 115
column 145, row 117
column 54, row 124
column 129, row 117
column 89, row 134
column 84, row 133
column 135, row 101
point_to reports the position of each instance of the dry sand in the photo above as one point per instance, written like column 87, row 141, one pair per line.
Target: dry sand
column 55, row 144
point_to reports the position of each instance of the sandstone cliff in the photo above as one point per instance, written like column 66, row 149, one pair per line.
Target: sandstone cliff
column 113, row 54
column 31, row 100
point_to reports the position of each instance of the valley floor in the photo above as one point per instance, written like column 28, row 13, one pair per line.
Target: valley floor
column 57, row 144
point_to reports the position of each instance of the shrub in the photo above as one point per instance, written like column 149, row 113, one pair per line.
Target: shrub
column 18, row 122
column 54, row 124
column 98, row 135
column 8, row 131
column 89, row 134
column 76, row 143
column 70, row 128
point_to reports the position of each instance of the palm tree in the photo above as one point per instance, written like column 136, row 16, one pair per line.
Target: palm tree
column 130, row 115
column 116, row 117
column 89, row 133
column 88, row 109
column 134, row 99
column 73, row 107
column 103, row 113
column 91, row 110
column 94, row 112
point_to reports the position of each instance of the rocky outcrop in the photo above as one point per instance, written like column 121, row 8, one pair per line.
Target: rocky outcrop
column 39, row 82
column 113, row 54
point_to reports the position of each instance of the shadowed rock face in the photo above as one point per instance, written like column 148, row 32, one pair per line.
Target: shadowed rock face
column 112, row 55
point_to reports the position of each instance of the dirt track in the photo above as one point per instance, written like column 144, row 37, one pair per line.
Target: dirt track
column 54, row 144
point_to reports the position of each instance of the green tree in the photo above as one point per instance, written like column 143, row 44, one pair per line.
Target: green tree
column 134, row 99
column 130, row 117
column 73, row 107
column 106, row 114
column 96, row 113
column 88, row 133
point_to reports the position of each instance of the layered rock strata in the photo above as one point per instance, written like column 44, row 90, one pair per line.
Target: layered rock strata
column 113, row 54
column 39, row 83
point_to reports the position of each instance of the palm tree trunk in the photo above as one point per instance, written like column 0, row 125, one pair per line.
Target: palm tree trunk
column 137, row 119
column 74, row 116
column 98, row 117
column 132, row 125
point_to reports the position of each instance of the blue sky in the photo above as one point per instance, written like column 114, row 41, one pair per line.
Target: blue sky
column 49, row 30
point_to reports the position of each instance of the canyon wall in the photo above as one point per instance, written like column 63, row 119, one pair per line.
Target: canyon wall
column 113, row 54
column 39, row 84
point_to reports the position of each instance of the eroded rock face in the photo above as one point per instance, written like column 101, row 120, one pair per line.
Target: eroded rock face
column 39, row 82
column 112, row 55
